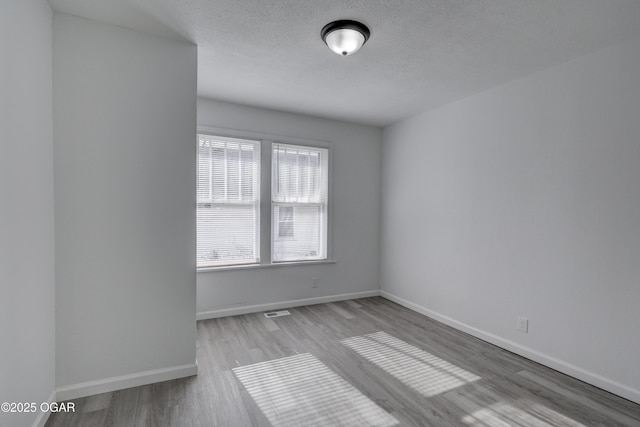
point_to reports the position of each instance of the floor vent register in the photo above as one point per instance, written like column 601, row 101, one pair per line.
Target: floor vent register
column 277, row 313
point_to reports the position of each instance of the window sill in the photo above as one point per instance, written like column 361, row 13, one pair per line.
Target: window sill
column 258, row 266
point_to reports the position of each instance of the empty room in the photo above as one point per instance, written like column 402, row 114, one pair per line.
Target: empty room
column 320, row 213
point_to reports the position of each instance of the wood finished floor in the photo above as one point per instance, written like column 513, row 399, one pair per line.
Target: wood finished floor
column 379, row 356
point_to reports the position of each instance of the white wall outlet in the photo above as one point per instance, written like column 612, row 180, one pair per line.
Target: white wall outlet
column 314, row 282
column 523, row 324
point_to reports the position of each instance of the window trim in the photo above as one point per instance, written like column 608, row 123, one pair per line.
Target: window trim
column 322, row 204
column 266, row 140
column 225, row 201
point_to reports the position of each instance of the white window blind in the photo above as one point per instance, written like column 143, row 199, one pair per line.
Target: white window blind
column 299, row 182
column 228, row 201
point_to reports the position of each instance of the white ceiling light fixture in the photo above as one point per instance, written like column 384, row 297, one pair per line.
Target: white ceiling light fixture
column 345, row 37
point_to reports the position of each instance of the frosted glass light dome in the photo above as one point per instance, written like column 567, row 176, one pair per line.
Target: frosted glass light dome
column 344, row 42
column 345, row 37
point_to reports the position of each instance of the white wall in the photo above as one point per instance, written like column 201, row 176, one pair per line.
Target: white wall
column 525, row 201
column 27, row 291
column 124, row 122
column 356, row 204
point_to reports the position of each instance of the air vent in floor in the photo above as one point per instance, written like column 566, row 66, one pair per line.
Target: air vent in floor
column 277, row 313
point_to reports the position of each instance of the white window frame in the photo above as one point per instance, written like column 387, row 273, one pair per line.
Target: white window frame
column 266, row 141
column 226, row 202
column 293, row 201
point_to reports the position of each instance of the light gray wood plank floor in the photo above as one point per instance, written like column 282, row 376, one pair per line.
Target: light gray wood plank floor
column 388, row 366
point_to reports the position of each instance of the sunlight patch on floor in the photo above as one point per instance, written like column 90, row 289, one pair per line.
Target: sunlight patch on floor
column 427, row 374
column 529, row 414
column 301, row 391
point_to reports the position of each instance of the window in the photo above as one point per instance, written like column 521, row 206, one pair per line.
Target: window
column 285, row 222
column 299, row 187
column 228, row 201
column 232, row 192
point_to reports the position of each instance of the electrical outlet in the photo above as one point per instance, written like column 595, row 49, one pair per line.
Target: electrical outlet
column 314, row 282
column 523, row 325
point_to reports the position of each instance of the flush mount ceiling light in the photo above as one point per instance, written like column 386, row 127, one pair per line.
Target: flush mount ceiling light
column 345, row 37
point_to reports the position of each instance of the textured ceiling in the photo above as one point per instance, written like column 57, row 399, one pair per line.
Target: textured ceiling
column 421, row 54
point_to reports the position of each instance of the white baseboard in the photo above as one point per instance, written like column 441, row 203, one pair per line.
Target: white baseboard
column 246, row 309
column 90, row 388
column 42, row 418
column 544, row 359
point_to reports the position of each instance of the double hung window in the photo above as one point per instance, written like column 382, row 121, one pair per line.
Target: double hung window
column 299, row 199
column 229, row 200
